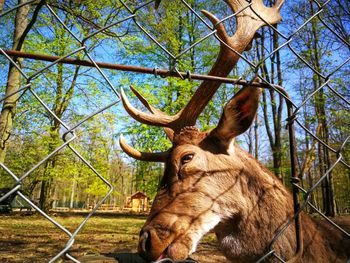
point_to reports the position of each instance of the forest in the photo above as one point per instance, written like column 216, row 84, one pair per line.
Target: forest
column 307, row 54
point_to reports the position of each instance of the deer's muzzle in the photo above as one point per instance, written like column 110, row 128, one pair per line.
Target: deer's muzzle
column 157, row 244
column 151, row 247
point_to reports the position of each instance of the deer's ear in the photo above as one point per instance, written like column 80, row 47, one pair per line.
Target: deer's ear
column 238, row 115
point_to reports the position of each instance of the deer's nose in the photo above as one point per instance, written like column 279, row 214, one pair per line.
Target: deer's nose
column 151, row 247
column 144, row 242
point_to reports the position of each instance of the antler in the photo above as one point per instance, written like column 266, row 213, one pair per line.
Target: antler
column 249, row 17
column 142, row 156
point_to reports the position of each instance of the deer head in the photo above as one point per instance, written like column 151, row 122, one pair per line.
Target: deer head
column 201, row 167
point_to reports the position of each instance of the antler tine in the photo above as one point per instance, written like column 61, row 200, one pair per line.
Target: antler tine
column 221, row 30
column 142, row 156
column 169, row 132
column 143, row 100
column 259, row 11
column 156, row 118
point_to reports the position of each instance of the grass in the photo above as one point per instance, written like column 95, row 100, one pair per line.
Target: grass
column 35, row 239
column 32, row 238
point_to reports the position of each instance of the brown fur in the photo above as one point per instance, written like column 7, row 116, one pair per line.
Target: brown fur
column 251, row 203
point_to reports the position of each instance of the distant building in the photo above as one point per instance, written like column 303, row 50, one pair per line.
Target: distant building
column 137, row 202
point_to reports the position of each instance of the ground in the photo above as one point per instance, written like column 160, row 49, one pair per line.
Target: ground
column 31, row 238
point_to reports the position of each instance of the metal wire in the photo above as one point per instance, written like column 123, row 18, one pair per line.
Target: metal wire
column 69, row 136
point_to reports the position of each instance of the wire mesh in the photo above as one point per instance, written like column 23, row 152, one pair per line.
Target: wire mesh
column 130, row 15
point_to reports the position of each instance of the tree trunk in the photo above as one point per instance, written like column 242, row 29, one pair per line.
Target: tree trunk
column 61, row 102
column 324, row 157
column 274, row 132
column 47, row 180
column 72, row 194
column 44, row 201
column 13, row 80
column 2, row 2
column 256, row 137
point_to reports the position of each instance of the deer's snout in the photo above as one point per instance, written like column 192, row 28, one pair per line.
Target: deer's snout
column 144, row 242
column 151, row 247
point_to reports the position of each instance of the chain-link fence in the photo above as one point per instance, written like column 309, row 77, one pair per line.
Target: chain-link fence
column 129, row 15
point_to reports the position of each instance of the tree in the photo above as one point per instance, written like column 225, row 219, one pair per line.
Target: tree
column 13, row 79
column 316, row 48
column 63, row 79
column 273, row 74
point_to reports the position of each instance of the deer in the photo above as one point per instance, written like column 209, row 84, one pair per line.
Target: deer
column 211, row 184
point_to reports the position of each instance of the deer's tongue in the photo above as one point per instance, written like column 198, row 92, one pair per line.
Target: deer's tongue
column 163, row 255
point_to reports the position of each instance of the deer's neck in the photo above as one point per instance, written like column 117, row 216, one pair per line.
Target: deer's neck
column 261, row 205
column 264, row 204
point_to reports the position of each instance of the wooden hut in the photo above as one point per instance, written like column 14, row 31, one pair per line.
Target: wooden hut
column 137, row 202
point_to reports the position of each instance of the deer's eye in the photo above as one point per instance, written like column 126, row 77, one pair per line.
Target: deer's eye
column 187, row 158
